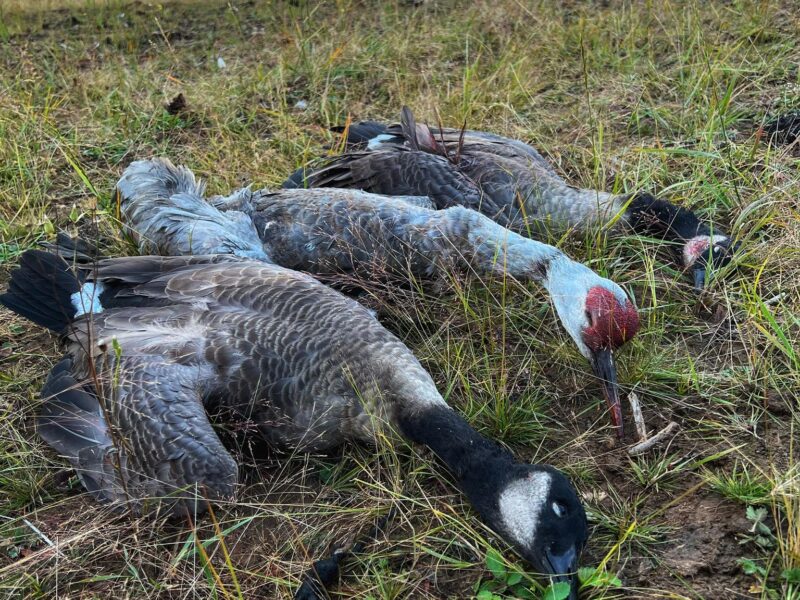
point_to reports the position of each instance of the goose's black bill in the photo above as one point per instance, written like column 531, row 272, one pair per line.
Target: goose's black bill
column 564, row 568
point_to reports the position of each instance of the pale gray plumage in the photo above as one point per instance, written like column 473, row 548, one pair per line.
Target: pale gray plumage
column 173, row 222
column 328, row 231
column 507, row 180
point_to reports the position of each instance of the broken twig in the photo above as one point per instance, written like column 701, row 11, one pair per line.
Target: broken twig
column 638, row 419
column 644, row 446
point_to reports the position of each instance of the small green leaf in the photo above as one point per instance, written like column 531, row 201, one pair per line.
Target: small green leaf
column 756, row 514
column 764, row 542
column 494, row 562
column 586, row 575
column 763, row 529
column 523, row 593
column 556, row 591
column 326, row 474
column 514, row 578
column 484, row 595
column 791, row 575
column 75, row 215
column 751, row 568
column 593, row 578
column 492, row 585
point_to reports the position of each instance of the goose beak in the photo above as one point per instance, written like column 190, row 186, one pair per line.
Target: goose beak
column 699, row 278
column 603, row 364
column 564, row 568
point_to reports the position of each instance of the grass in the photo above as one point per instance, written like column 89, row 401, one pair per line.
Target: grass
column 664, row 96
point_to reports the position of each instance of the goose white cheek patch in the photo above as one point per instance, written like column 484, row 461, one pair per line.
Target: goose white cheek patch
column 697, row 245
column 521, row 505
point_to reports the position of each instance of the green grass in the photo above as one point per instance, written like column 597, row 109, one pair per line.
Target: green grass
column 664, row 96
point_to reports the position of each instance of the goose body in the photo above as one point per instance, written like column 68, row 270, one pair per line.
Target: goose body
column 153, row 343
column 506, row 180
column 328, row 231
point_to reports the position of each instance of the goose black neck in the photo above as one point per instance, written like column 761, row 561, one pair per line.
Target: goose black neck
column 480, row 466
column 650, row 215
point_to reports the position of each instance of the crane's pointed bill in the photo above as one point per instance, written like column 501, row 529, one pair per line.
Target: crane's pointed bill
column 699, row 278
column 603, row 364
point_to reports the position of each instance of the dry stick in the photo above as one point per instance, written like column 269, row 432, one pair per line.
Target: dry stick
column 38, row 532
column 638, row 419
column 644, row 446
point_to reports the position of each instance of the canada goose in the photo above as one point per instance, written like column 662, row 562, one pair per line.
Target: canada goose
column 508, row 181
column 153, row 342
column 325, row 231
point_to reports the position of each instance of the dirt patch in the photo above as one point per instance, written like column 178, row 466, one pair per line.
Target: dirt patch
column 702, row 550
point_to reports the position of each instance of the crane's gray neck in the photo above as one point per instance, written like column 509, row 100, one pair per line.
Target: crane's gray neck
column 504, row 252
column 479, row 465
column 549, row 200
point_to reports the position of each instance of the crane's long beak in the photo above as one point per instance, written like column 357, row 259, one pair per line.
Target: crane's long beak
column 603, row 364
column 699, row 274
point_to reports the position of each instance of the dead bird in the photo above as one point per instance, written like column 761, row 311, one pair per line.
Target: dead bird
column 153, row 343
column 329, row 231
column 508, row 181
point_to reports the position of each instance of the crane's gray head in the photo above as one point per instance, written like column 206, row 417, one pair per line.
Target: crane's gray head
column 538, row 511
column 707, row 252
column 600, row 318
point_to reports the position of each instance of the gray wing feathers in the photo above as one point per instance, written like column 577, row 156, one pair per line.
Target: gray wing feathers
column 399, row 172
column 163, row 449
column 505, row 179
column 70, row 420
column 493, row 144
column 171, row 447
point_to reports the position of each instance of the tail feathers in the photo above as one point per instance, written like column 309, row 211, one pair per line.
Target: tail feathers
column 157, row 178
column 419, row 137
column 165, row 210
column 74, row 250
column 359, row 134
column 297, row 179
column 71, row 422
column 42, row 289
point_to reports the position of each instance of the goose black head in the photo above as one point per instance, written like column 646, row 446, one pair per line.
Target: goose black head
column 537, row 510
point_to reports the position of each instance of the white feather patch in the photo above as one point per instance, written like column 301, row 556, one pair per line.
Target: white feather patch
column 375, row 142
column 521, row 505
column 87, row 299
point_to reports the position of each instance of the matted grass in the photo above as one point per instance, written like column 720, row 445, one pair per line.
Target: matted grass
column 664, row 96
